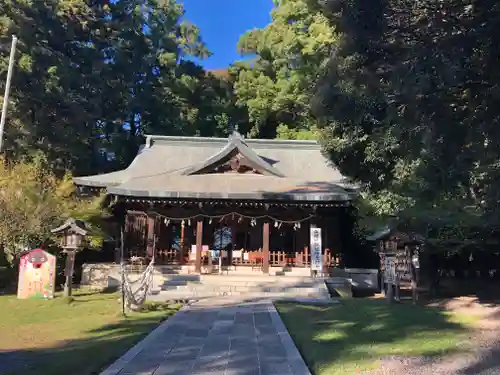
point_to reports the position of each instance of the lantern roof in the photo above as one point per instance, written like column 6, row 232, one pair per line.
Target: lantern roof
column 71, row 225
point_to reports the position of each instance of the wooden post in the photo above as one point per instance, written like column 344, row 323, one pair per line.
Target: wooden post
column 68, row 272
column 181, row 250
column 150, row 238
column 265, row 248
column 414, row 294
column 390, row 293
column 397, row 287
column 199, row 245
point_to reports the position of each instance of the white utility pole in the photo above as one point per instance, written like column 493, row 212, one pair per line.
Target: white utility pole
column 7, row 89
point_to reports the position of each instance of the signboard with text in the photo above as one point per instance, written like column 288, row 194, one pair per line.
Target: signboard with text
column 316, row 256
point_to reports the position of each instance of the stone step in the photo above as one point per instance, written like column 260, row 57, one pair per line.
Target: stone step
column 210, row 286
column 179, row 295
column 230, row 288
column 214, row 278
column 242, row 283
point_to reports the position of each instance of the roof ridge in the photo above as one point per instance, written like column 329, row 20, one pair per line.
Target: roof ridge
column 263, row 141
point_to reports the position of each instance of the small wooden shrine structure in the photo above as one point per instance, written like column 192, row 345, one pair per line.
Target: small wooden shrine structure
column 401, row 250
column 232, row 202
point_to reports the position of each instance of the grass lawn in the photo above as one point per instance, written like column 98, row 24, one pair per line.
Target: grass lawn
column 82, row 337
column 352, row 337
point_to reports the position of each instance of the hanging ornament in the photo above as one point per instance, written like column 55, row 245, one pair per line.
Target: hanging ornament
column 298, row 224
column 210, row 221
column 182, row 223
column 189, row 222
column 240, row 219
column 276, row 224
column 253, row 222
column 279, row 225
column 167, row 222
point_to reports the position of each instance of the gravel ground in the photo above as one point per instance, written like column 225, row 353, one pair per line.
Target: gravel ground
column 483, row 359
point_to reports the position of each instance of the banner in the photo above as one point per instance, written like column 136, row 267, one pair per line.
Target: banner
column 316, row 256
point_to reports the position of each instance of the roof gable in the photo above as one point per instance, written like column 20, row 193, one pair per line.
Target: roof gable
column 235, row 148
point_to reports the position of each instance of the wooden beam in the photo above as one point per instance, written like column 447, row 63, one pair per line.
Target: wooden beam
column 199, row 245
column 265, row 247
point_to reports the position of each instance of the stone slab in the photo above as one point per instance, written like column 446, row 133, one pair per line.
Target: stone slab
column 226, row 336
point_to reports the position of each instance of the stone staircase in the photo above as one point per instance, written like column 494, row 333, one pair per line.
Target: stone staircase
column 339, row 287
column 191, row 287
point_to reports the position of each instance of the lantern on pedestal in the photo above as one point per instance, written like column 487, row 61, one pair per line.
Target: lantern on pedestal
column 72, row 234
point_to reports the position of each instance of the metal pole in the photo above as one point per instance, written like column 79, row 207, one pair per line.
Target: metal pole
column 7, row 89
column 122, row 268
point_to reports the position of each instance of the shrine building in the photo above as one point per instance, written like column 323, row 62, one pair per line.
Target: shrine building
column 207, row 203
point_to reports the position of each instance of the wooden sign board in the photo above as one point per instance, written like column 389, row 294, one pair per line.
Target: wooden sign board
column 37, row 272
column 402, row 260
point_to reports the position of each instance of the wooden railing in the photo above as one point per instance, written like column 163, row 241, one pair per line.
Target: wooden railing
column 277, row 258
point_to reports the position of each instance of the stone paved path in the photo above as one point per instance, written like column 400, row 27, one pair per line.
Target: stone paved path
column 218, row 336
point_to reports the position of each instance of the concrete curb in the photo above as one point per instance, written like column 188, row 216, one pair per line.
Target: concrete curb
column 126, row 358
column 295, row 360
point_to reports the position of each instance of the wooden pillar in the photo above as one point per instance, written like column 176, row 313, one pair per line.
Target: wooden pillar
column 199, row 245
column 150, row 236
column 182, row 245
column 307, row 241
column 265, row 248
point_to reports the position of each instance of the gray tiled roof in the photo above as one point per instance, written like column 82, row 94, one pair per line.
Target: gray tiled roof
column 164, row 166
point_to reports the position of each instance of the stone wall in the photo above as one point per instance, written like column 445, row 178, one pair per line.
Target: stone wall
column 363, row 278
column 101, row 275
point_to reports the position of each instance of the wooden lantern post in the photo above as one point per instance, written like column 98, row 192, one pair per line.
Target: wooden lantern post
column 72, row 234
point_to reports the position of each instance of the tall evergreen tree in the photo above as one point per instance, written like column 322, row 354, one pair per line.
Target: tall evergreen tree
column 97, row 75
column 407, row 105
column 276, row 86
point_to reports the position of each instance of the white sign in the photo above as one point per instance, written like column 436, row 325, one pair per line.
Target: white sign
column 390, row 270
column 316, row 257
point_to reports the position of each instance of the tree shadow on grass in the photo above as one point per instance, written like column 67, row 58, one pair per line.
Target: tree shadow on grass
column 81, row 356
column 484, row 292
column 357, row 333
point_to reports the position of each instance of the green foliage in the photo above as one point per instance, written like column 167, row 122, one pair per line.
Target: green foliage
column 95, row 76
column 406, row 108
column 276, row 87
column 401, row 94
column 33, row 201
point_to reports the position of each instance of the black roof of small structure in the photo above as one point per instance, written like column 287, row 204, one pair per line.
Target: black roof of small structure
column 171, row 167
column 76, row 226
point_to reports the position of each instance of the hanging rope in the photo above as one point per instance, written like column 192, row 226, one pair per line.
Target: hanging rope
column 135, row 292
column 224, row 216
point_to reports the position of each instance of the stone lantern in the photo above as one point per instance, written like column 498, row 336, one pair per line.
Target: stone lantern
column 72, row 234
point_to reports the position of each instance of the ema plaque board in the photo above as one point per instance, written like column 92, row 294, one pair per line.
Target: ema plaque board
column 37, row 272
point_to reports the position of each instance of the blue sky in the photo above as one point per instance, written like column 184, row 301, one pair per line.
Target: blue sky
column 221, row 23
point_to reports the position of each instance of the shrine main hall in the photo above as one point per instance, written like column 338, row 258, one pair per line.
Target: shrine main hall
column 207, row 203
